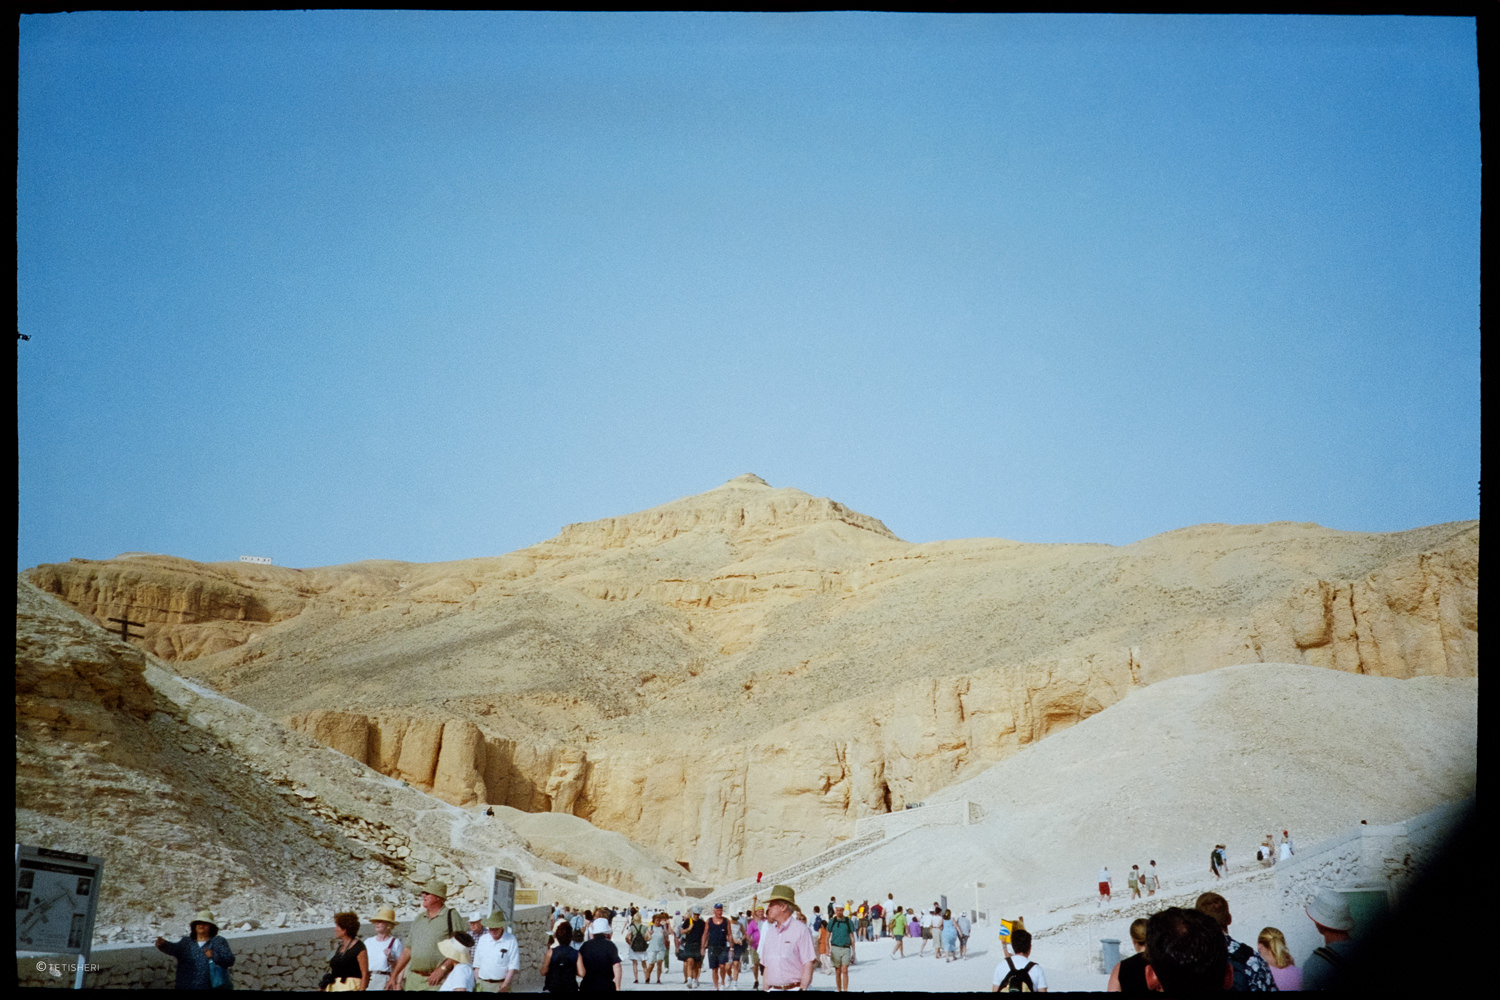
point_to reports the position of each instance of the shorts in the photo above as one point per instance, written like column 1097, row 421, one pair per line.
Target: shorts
column 841, row 956
column 1104, row 888
column 739, row 952
column 717, row 957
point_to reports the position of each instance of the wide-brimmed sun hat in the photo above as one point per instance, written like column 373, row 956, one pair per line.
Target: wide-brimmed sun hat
column 783, row 893
column 384, row 915
column 600, row 926
column 1331, row 910
column 203, row 917
column 436, row 888
column 451, row 949
column 496, row 919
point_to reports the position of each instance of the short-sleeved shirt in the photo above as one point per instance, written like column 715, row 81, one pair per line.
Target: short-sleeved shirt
column 383, row 954
column 494, row 958
column 425, row 934
column 785, row 951
column 459, row 978
column 1038, row 980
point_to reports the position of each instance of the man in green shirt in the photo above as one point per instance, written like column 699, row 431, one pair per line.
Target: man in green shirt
column 422, row 966
column 841, row 936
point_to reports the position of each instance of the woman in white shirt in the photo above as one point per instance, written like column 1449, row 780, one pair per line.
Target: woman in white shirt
column 459, row 948
column 383, row 949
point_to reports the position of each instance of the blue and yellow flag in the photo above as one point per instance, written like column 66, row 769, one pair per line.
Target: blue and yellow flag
column 1005, row 929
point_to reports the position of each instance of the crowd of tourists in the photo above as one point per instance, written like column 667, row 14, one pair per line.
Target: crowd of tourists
column 775, row 945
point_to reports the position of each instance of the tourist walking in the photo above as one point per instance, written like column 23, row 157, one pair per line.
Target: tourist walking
column 383, row 950
column 348, row 965
column 560, row 964
column 458, row 956
column 422, row 965
column 898, row 933
column 598, row 962
column 786, row 948
column 950, row 936
column 965, row 928
column 497, row 956
column 1153, row 881
column 203, row 957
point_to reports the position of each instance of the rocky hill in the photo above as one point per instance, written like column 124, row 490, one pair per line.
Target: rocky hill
column 196, row 801
column 735, row 677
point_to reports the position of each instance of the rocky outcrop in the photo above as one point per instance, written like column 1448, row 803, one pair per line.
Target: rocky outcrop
column 746, row 672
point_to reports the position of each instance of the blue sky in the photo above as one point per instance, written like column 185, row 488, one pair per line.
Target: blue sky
column 338, row 286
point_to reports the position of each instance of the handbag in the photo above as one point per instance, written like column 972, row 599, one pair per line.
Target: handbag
column 218, row 977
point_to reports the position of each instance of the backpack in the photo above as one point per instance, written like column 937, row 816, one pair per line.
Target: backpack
column 638, row 940
column 1017, row 980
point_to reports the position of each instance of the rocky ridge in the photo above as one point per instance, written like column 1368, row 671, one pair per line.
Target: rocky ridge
column 196, row 801
column 741, row 674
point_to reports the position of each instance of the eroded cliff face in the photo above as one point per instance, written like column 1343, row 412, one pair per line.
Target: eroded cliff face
column 736, row 677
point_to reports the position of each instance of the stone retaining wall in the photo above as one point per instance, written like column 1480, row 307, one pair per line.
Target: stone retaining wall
column 282, row 960
column 957, row 813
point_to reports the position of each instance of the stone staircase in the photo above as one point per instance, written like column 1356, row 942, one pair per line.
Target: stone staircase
column 825, row 861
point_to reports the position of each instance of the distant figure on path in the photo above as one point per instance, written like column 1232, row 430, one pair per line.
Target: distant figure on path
column 1153, row 881
column 1286, row 845
column 965, row 929
column 1325, row 968
column 1105, row 882
column 1216, row 860
column 1134, row 882
column 898, row 933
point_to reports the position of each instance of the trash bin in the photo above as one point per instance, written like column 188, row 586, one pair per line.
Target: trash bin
column 1109, row 954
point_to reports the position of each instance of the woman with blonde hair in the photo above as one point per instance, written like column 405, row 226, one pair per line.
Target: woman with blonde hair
column 1272, row 947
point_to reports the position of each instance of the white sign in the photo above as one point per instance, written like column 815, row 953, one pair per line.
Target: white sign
column 56, row 895
column 503, row 893
column 262, row 560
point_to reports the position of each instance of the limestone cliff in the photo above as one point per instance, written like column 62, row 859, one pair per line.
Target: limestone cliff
column 736, row 677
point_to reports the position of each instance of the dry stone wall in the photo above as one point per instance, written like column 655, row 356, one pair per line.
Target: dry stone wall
column 291, row 960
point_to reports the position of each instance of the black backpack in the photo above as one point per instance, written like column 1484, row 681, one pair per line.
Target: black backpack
column 638, row 940
column 1017, row 980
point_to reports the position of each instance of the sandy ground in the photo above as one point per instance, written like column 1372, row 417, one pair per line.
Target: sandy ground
column 875, row 971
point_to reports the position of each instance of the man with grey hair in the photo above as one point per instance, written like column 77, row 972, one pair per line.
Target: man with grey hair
column 1328, row 966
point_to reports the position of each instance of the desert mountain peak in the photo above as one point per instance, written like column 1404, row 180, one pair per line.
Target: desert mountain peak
column 743, row 511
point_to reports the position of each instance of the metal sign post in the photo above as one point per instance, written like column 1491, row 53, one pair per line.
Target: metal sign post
column 57, row 894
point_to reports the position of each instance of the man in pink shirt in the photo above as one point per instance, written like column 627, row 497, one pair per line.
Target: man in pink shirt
column 787, row 955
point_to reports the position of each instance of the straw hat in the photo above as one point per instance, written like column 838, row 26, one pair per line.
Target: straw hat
column 385, row 914
column 783, row 893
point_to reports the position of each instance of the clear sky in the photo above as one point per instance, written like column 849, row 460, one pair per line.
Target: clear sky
column 338, row 286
